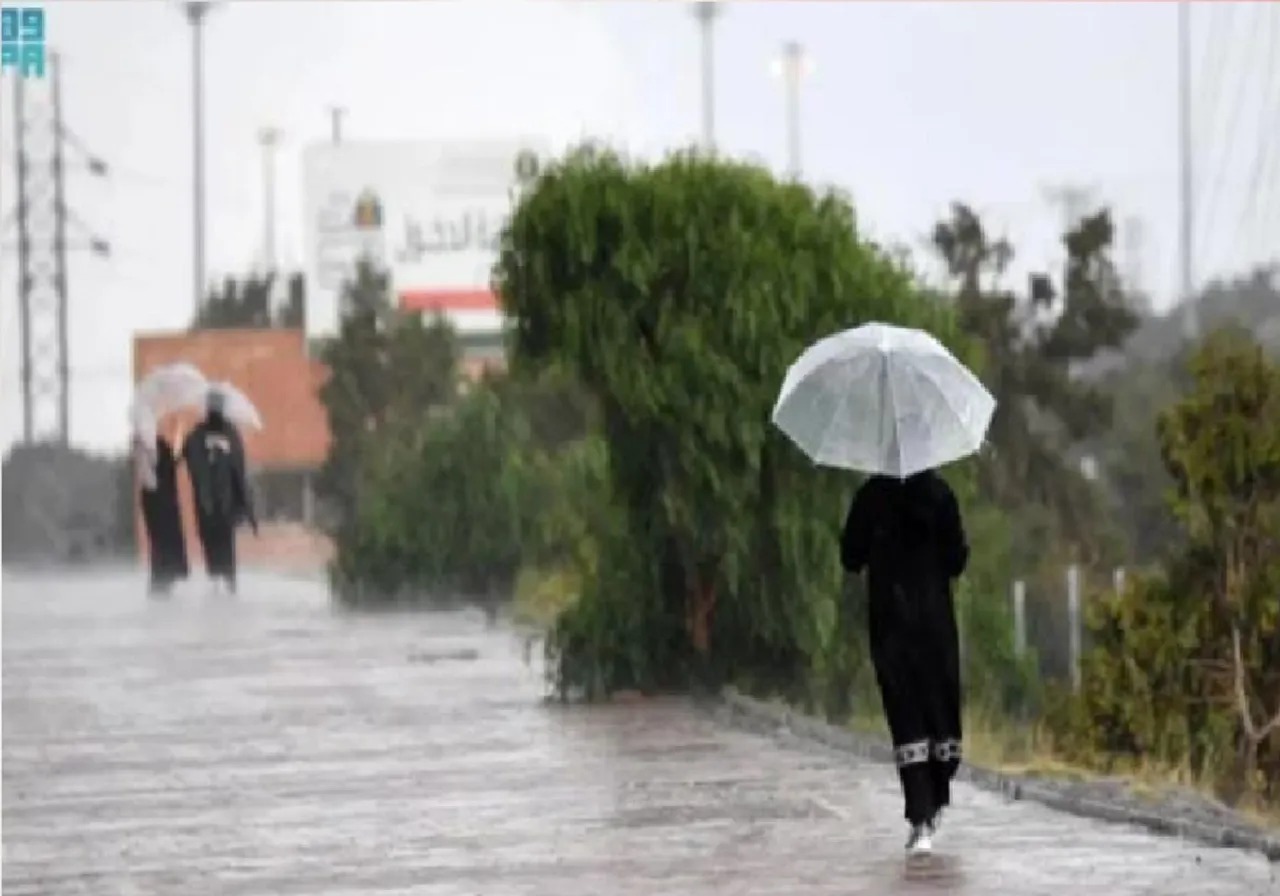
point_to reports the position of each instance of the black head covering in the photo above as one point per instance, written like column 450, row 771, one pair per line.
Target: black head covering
column 215, row 408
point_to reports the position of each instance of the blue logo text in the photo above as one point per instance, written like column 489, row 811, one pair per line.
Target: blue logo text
column 22, row 41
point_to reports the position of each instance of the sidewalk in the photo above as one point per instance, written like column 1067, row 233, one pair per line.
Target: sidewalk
column 211, row 746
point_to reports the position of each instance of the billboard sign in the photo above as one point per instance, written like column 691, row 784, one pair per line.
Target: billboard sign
column 429, row 213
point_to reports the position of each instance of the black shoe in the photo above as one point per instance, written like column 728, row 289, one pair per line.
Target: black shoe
column 935, row 823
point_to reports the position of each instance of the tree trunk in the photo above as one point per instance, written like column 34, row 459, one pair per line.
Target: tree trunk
column 1252, row 736
column 702, row 602
column 1248, row 768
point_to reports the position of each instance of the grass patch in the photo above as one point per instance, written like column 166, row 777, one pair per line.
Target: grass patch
column 1010, row 747
column 990, row 742
column 542, row 595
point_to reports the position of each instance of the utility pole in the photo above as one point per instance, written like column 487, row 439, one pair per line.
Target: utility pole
column 792, row 67
column 269, row 137
column 1074, row 202
column 60, row 246
column 705, row 11
column 196, row 11
column 43, row 288
column 1186, row 208
column 24, row 259
column 336, row 114
column 1134, row 243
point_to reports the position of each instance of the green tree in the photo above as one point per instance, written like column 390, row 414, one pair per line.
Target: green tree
column 386, row 368
column 677, row 294
column 1153, row 375
column 455, row 502
column 293, row 314
column 246, row 303
column 1033, row 346
column 442, row 509
column 1251, row 301
column 1187, row 665
column 1222, row 447
column 1129, row 454
column 61, row 503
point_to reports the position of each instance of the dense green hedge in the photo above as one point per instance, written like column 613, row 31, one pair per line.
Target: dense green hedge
column 678, row 293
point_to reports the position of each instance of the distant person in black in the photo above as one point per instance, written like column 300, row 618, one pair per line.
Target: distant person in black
column 214, row 454
column 156, row 467
column 909, row 537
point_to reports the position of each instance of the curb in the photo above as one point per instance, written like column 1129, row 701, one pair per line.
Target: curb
column 766, row 718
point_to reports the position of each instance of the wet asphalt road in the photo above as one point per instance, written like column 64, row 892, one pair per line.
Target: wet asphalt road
column 205, row 745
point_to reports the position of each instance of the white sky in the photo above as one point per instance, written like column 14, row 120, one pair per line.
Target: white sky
column 908, row 107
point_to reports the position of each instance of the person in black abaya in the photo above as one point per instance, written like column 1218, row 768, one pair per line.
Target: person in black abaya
column 166, row 542
column 909, row 537
column 214, row 454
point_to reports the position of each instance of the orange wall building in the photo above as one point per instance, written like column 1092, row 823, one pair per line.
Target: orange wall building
column 272, row 368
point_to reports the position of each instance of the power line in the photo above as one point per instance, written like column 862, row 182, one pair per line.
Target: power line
column 1264, row 180
column 1267, row 194
column 1258, row 69
column 1206, row 90
column 1232, row 105
column 1196, row 99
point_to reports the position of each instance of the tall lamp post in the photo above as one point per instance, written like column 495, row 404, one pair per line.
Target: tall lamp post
column 792, row 66
column 196, row 11
column 269, row 139
column 336, row 114
column 705, row 11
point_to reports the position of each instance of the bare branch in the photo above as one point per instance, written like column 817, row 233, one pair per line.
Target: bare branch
column 1251, row 731
column 1272, row 725
column 1242, row 698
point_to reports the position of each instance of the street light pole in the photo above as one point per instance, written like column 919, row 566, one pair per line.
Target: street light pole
column 269, row 137
column 705, row 11
column 335, row 123
column 792, row 67
column 196, row 11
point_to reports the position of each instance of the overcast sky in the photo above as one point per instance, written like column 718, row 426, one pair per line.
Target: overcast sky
column 908, row 107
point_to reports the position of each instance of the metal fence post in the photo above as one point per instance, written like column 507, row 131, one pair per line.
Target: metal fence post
column 1073, row 622
column 1020, row 617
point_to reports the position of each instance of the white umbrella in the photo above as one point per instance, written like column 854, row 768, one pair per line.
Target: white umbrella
column 164, row 390
column 237, row 407
column 883, row 399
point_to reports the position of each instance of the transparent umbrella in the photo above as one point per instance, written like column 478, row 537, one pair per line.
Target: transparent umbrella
column 164, row 390
column 237, row 406
column 883, row 399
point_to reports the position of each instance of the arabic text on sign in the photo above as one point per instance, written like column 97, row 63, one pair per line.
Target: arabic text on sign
column 468, row 232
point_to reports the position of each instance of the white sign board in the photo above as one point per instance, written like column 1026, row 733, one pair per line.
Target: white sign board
column 429, row 213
